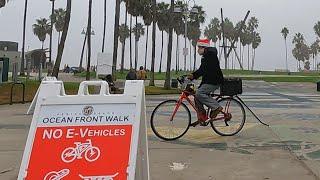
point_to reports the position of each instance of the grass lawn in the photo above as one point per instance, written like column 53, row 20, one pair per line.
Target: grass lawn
column 71, row 89
column 31, row 89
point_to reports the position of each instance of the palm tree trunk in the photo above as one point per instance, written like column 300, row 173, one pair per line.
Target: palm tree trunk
column 136, row 48
column 285, row 41
column 153, row 45
column 59, row 36
column 63, row 39
column 161, row 52
column 104, row 24
column 146, row 53
column 51, row 31
column 177, row 55
column 130, row 41
column 194, row 57
column 122, row 57
column 124, row 43
column 252, row 59
column 240, row 51
column 220, row 51
column 248, row 57
column 115, row 37
column 41, row 60
column 89, row 40
column 23, row 37
column 190, row 56
column 168, row 77
column 82, row 52
column 243, row 55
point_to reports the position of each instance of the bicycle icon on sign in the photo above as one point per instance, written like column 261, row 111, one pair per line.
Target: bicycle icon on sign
column 91, row 153
column 53, row 175
column 98, row 177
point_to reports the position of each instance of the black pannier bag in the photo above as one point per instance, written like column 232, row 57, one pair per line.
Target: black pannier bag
column 231, row 87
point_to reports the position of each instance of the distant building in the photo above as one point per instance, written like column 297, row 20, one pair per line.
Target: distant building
column 10, row 50
column 35, row 57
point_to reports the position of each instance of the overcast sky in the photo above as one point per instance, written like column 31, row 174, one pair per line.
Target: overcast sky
column 297, row 15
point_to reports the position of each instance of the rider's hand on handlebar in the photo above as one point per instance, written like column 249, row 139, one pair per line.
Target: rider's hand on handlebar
column 190, row 76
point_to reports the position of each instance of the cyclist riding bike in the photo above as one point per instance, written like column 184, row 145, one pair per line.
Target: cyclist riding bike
column 212, row 78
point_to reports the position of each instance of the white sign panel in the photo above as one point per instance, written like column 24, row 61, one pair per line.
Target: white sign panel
column 104, row 64
column 87, row 136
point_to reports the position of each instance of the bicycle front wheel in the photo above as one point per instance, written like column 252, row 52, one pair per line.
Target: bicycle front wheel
column 170, row 121
column 230, row 127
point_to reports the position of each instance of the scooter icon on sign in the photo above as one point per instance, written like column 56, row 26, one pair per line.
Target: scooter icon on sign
column 91, row 153
column 53, row 175
column 98, row 177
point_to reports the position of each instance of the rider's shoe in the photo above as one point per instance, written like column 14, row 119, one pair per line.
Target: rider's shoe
column 213, row 114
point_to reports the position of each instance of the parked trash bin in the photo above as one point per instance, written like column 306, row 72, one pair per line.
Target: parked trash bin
column 318, row 86
column 5, row 69
column 174, row 83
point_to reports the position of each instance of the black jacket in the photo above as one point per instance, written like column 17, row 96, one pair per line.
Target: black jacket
column 209, row 68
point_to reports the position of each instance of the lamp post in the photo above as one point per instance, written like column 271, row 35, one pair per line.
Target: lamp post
column 84, row 32
column 186, row 10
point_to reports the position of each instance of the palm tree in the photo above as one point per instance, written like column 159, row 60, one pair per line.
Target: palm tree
column 256, row 41
column 162, row 19
column 317, row 28
column 285, row 33
column 147, row 18
column 314, row 50
column 115, row 37
column 298, row 39
column 212, row 31
column 195, row 32
column 89, row 40
column 58, row 18
column 124, row 33
column 228, row 32
column 124, row 43
column 23, row 36
column 104, row 24
column 63, row 39
column 134, row 9
column 3, row 3
column 168, row 77
column 253, row 24
column 301, row 51
column 138, row 31
column 51, row 29
column 178, row 27
column 41, row 29
column 154, row 9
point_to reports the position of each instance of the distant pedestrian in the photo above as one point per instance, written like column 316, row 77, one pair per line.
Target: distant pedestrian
column 142, row 74
column 131, row 75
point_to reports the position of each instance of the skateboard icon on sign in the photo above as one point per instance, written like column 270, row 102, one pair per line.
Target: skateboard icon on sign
column 90, row 153
column 53, row 175
column 98, row 177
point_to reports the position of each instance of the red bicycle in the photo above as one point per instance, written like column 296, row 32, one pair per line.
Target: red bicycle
column 171, row 119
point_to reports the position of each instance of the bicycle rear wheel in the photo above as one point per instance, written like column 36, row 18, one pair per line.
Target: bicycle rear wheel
column 230, row 127
column 166, row 128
